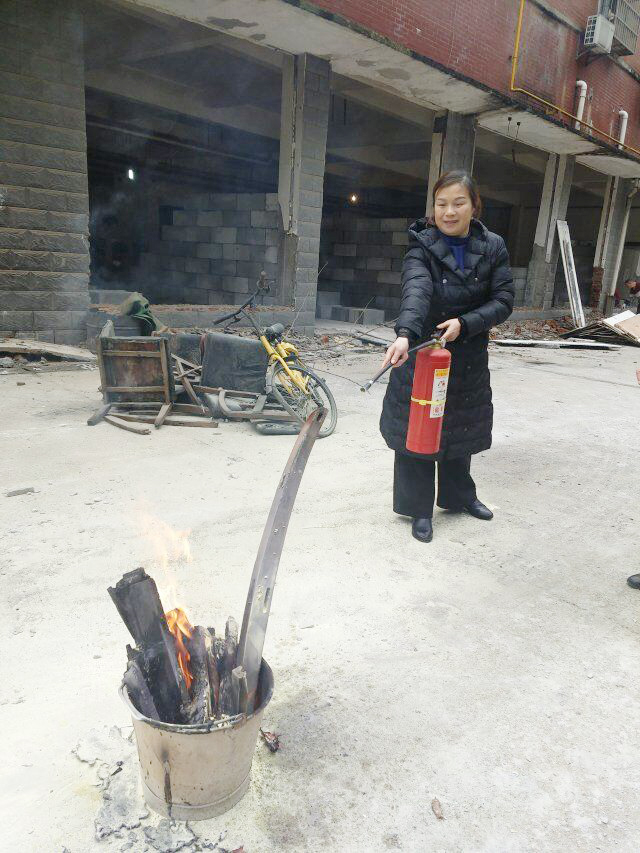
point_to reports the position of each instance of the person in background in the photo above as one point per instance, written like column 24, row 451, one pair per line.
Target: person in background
column 456, row 278
column 634, row 289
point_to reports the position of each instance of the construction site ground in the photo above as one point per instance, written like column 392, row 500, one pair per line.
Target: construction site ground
column 494, row 670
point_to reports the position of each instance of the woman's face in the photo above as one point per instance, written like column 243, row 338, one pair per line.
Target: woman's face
column 453, row 210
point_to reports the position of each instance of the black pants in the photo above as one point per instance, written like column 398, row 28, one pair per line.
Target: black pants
column 414, row 485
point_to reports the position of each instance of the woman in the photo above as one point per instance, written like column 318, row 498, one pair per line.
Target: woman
column 456, row 278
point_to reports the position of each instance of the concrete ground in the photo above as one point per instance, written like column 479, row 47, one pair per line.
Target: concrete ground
column 495, row 670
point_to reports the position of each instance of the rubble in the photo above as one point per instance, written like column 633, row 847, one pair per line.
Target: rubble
column 623, row 328
column 549, row 329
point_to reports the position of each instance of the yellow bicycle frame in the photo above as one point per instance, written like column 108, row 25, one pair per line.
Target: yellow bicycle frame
column 280, row 353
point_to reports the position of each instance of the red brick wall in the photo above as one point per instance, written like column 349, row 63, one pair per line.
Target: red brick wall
column 476, row 38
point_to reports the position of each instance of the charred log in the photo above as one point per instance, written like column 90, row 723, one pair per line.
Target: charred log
column 138, row 603
column 198, row 710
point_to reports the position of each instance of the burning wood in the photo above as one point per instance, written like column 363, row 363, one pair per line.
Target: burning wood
column 180, row 627
column 183, row 674
column 178, row 672
column 138, row 603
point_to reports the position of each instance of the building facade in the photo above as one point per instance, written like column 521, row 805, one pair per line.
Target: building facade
column 180, row 147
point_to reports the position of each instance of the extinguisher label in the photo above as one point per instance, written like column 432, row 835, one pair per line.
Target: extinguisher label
column 439, row 392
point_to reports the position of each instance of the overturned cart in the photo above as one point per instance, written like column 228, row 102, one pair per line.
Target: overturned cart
column 196, row 380
column 197, row 699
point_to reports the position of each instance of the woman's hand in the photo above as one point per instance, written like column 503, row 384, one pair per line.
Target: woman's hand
column 452, row 329
column 397, row 353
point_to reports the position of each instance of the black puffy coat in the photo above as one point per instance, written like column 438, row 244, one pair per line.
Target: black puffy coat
column 434, row 289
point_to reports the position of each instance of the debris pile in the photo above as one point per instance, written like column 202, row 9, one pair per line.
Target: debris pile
column 621, row 328
column 533, row 330
column 177, row 673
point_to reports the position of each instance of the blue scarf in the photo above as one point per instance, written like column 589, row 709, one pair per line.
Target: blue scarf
column 458, row 246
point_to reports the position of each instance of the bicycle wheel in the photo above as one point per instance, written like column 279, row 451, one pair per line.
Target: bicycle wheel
column 300, row 403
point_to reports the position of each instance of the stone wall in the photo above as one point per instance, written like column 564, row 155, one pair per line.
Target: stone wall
column 44, row 252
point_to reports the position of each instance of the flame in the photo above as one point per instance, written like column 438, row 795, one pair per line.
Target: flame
column 168, row 546
column 180, row 627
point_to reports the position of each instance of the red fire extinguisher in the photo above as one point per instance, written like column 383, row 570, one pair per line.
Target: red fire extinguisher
column 428, row 398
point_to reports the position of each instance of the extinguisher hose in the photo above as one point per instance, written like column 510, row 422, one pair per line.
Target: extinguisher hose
column 417, row 348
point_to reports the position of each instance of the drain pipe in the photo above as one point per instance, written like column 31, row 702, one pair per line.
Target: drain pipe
column 624, row 118
column 581, row 86
column 608, row 303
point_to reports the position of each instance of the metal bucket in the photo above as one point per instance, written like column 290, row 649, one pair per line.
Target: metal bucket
column 198, row 772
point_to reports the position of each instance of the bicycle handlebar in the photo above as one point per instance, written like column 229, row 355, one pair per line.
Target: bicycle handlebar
column 263, row 287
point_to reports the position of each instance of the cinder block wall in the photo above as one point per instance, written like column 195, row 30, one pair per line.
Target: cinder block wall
column 211, row 253
column 520, row 285
column 44, row 252
column 363, row 258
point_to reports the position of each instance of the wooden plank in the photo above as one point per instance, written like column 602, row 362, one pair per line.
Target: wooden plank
column 103, row 375
column 203, row 422
column 571, row 279
column 190, row 392
column 138, row 404
column 99, row 415
column 166, row 370
column 136, row 353
column 142, row 407
column 125, row 389
column 182, row 361
column 162, row 414
column 119, row 423
column 23, row 346
column 568, row 344
column 191, row 373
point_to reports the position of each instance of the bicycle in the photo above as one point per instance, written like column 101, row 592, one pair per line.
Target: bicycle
column 289, row 381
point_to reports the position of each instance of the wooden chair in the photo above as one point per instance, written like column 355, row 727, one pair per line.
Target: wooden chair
column 135, row 374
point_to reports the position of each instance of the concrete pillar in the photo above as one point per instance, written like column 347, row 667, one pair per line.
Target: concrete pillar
column 303, row 143
column 611, row 237
column 514, row 237
column 546, row 246
column 44, row 204
column 453, row 143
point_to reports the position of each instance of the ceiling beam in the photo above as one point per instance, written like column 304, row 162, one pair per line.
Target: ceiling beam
column 137, row 85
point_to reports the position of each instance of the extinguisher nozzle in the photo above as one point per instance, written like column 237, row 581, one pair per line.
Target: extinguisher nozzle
column 366, row 386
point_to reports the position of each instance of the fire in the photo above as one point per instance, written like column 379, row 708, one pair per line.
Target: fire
column 180, row 627
column 166, row 549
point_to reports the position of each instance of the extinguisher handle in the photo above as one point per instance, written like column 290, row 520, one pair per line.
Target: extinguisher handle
column 380, row 373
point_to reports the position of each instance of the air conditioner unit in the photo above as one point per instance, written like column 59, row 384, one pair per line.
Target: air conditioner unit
column 625, row 16
column 598, row 36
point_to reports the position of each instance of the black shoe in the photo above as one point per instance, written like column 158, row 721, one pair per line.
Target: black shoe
column 479, row 510
column 634, row 581
column 422, row 529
